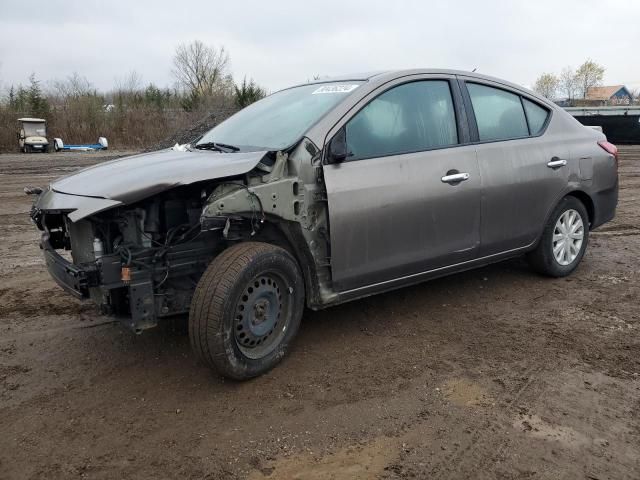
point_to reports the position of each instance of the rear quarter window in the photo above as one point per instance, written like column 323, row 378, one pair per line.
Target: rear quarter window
column 536, row 115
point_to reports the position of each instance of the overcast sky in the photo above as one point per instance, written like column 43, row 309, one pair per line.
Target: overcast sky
column 279, row 43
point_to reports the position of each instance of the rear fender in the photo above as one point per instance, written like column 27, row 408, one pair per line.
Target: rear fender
column 581, row 195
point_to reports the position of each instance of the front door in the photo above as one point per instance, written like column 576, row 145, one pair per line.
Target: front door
column 408, row 198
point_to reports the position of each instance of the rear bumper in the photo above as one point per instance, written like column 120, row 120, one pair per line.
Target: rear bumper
column 605, row 203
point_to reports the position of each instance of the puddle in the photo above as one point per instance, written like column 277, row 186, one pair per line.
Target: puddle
column 467, row 393
column 351, row 463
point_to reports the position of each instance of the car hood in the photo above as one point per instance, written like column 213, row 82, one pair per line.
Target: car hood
column 130, row 179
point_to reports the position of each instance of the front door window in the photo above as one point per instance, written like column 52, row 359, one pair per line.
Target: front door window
column 412, row 117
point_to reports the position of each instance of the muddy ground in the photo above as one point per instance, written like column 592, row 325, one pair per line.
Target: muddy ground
column 494, row 373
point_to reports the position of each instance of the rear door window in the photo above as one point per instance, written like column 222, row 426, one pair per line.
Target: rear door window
column 499, row 114
column 411, row 117
column 536, row 115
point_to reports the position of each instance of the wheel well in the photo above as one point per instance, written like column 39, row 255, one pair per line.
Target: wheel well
column 270, row 233
column 285, row 235
column 586, row 201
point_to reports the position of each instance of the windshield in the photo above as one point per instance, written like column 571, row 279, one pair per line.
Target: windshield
column 277, row 121
column 34, row 129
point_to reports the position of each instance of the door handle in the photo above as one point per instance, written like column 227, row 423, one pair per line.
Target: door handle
column 556, row 163
column 455, row 178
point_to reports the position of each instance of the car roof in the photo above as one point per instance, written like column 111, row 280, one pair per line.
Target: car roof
column 375, row 80
column 385, row 75
column 361, row 77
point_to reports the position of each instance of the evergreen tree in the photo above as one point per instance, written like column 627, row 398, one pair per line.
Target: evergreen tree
column 11, row 98
column 248, row 92
column 21, row 100
column 35, row 99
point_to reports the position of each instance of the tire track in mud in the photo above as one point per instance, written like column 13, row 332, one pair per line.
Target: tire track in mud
column 617, row 233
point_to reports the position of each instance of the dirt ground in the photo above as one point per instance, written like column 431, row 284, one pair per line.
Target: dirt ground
column 494, row 373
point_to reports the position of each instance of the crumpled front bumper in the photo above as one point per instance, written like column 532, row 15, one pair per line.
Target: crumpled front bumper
column 96, row 280
column 74, row 279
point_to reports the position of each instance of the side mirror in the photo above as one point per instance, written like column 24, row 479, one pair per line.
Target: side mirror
column 338, row 150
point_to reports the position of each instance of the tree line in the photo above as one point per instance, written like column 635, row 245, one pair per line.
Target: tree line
column 131, row 114
column 572, row 84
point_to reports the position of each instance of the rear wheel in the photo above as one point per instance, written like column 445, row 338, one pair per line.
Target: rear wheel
column 563, row 241
column 246, row 309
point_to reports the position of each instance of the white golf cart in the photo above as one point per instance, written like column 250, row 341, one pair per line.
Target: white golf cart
column 33, row 135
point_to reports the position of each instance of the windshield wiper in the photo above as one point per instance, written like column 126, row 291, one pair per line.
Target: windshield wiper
column 220, row 147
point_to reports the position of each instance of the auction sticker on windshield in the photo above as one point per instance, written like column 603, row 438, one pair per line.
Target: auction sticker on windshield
column 335, row 89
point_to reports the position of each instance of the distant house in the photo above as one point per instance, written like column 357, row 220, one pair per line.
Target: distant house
column 611, row 95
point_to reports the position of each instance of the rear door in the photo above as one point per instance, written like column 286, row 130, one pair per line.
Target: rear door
column 408, row 199
column 524, row 165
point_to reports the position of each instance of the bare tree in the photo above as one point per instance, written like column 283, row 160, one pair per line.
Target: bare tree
column 547, row 85
column 202, row 70
column 74, row 86
column 131, row 82
column 568, row 83
column 589, row 74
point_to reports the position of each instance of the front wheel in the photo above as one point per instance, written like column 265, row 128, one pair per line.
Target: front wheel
column 246, row 309
column 563, row 241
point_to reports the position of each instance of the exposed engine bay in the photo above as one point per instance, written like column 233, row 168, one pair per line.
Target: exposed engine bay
column 143, row 260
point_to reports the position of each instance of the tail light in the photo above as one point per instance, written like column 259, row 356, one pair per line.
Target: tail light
column 610, row 148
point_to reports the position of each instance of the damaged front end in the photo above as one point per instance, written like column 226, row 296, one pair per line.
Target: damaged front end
column 139, row 262
column 139, row 256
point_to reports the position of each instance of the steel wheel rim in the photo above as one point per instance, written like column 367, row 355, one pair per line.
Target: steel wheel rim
column 262, row 315
column 568, row 236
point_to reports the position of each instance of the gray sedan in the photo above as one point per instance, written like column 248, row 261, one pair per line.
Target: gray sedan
column 323, row 193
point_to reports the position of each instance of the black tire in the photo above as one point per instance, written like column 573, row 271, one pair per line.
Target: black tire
column 542, row 259
column 247, row 283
